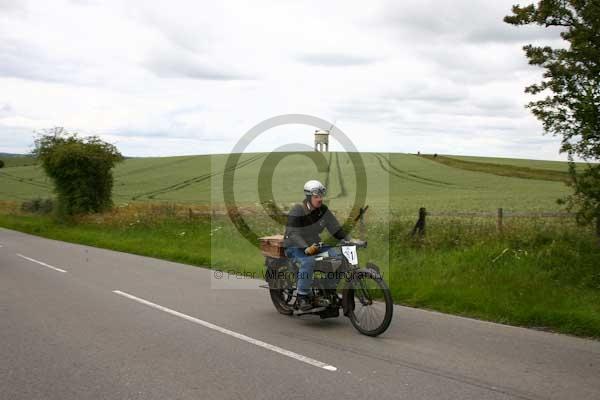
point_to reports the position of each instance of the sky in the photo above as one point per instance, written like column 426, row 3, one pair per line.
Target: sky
column 160, row 78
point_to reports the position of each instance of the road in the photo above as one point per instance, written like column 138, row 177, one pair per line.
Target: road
column 78, row 322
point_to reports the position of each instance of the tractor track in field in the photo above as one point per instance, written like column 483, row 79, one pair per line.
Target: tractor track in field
column 343, row 192
column 392, row 170
column 328, row 170
column 196, row 179
column 8, row 195
column 153, row 167
column 26, row 180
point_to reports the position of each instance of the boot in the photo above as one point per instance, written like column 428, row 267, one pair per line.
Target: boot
column 304, row 303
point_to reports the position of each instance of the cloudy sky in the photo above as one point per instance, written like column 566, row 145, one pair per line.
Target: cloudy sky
column 191, row 77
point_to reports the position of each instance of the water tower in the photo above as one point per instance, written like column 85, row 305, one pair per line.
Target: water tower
column 321, row 140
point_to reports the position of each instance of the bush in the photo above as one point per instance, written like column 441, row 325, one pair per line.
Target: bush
column 1, row 164
column 81, row 169
column 38, row 206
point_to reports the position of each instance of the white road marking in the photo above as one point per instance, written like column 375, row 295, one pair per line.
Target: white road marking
column 240, row 336
column 41, row 263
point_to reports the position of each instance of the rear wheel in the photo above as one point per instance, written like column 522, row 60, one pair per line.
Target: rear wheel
column 370, row 302
column 283, row 301
column 281, row 290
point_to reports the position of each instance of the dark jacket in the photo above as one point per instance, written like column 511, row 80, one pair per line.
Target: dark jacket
column 304, row 225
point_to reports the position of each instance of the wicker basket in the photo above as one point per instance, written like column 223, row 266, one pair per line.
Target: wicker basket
column 272, row 246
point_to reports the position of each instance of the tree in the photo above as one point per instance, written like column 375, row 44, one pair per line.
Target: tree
column 81, row 169
column 1, row 164
column 571, row 83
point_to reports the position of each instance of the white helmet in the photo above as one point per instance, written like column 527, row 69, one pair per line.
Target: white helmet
column 314, row 187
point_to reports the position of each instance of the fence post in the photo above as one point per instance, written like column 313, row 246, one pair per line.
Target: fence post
column 499, row 220
column 191, row 215
column 598, row 228
column 420, row 225
column 362, row 223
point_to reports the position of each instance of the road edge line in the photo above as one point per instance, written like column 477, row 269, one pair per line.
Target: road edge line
column 226, row 331
column 41, row 263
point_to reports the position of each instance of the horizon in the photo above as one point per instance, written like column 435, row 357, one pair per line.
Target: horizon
column 331, row 151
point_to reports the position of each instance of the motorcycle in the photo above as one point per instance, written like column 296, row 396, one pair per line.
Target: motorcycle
column 338, row 283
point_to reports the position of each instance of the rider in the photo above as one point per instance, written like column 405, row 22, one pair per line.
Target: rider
column 306, row 221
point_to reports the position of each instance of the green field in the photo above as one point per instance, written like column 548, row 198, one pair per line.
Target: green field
column 399, row 182
column 520, row 162
column 12, row 160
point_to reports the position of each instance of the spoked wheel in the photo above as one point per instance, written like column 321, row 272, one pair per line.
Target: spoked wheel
column 370, row 302
column 282, row 294
column 283, row 301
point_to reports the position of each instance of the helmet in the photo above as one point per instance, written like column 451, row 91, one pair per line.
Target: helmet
column 314, row 187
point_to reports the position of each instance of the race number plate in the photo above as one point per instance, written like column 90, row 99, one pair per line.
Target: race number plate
column 350, row 254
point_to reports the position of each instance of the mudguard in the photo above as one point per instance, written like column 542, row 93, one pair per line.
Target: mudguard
column 375, row 269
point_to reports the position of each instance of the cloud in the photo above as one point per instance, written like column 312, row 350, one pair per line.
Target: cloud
column 436, row 90
column 465, row 40
column 461, row 21
column 15, row 139
column 175, row 26
column 179, row 64
column 495, row 33
column 12, row 5
column 365, row 109
column 25, row 60
column 335, row 60
column 5, row 110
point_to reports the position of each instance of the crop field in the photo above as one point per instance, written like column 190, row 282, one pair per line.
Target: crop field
column 398, row 182
column 519, row 162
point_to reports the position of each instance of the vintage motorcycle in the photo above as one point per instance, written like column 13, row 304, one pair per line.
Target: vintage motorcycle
column 338, row 282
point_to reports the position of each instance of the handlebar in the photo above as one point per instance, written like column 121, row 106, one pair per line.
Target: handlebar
column 353, row 242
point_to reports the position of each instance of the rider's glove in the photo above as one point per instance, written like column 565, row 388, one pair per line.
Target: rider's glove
column 311, row 250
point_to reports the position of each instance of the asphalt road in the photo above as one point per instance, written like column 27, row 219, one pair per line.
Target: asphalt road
column 77, row 322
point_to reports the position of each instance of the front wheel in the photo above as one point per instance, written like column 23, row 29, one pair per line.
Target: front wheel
column 368, row 302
